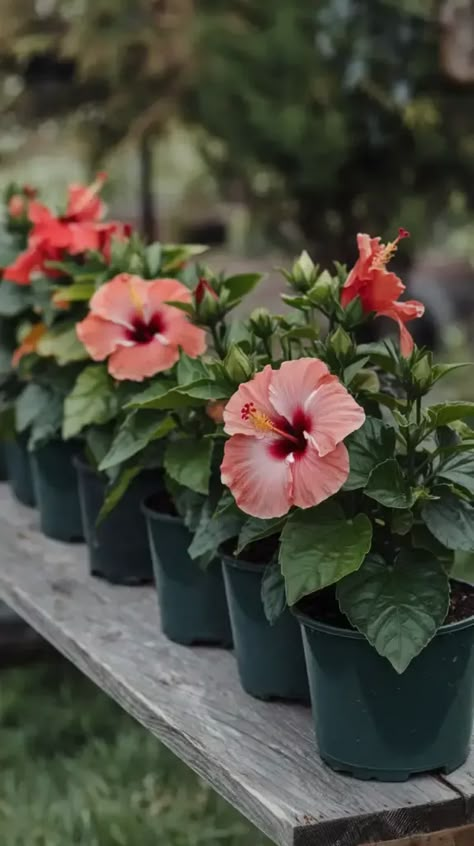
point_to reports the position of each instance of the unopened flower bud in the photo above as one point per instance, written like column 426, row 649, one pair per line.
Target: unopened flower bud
column 206, row 302
column 238, row 365
column 16, row 205
column 304, row 272
column 261, row 322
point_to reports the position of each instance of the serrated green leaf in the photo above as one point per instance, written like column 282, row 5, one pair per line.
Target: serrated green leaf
column 369, row 446
column 438, row 371
column 92, row 400
column 240, row 285
column 188, row 462
column 459, row 469
column 138, row 430
column 397, row 608
column 273, row 593
column 62, row 344
column 319, row 546
column 212, row 531
column 255, row 529
column 451, row 520
column 447, row 412
column 463, row 568
column 30, row 404
column 77, row 292
column 388, row 485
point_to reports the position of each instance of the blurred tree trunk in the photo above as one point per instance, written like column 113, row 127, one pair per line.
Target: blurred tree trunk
column 149, row 222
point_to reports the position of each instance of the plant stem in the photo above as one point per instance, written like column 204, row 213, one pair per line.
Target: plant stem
column 218, row 346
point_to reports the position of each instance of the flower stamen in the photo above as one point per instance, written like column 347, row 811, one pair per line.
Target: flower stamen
column 386, row 252
column 262, row 422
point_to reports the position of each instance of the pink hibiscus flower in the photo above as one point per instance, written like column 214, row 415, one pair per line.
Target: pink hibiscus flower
column 131, row 326
column 287, row 428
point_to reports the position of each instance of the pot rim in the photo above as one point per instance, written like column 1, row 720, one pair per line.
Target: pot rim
column 153, row 514
column 240, row 564
column 81, row 463
column 338, row 631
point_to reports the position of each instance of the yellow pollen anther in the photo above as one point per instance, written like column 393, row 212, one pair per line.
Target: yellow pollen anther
column 261, row 421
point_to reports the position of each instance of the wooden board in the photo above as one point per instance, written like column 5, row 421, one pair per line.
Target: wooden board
column 260, row 756
column 453, row 837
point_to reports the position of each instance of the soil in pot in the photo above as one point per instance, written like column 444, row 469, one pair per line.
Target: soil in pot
column 18, row 463
column 118, row 547
column 55, row 482
column 270, row 658
column 372, row 722
column 192, row 601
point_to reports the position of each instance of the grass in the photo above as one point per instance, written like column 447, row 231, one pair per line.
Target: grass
column 75, row 770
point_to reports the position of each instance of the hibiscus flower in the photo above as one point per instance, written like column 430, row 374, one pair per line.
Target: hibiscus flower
column 130, row 325
column 78, row 230
column 378, row 288
column 287, row 428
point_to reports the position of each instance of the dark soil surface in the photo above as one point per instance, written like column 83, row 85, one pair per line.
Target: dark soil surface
column 462, row 602
column 161, row 503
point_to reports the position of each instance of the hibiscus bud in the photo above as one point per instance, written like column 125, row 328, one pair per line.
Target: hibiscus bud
column 206, row 302
column 29, row 191
column 261, row 322
column 304, row 272
column 422, row 374
column 16, row 205
column 341, row 343
column 323, row 290
column 238, row 365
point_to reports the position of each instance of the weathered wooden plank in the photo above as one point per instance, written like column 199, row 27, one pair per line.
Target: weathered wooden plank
column 259, row 756
column 463, row 781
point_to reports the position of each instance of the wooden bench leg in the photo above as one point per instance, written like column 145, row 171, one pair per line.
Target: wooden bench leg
column 450, row 837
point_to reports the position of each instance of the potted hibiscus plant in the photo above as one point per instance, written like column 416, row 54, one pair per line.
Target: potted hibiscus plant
column 17, row 324
column 184, row 404
column 370, row 497
column 50, row 356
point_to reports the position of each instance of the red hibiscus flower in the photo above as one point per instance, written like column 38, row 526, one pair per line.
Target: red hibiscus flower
column 379, row 289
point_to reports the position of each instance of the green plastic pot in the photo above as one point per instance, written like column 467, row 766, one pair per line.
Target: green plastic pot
column 19, row 470
column 372, row 722
column 270, row 658
column 3, row 462
column 55, row 481
column 118, row 547
column 191, row 600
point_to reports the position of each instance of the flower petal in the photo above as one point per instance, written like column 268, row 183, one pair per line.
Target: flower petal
column 402, row 313
column 21, row 269
column 293, row 383
column 260, row 483
column 101, row 337
column 121, row 299
column 142, row 360
column 316, row 477
column 333, row 414
column 255, row 391
column 180, row 332
column 161, row 290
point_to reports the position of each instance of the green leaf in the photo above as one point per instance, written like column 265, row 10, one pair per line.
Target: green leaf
column 212, row 531
column 459, row 469
column 186, row 307
column 136, row 432
column 401, row 521
column 77, row 292
column 61, row 342
column 30, row 404
column 463, row 568
column 93, row 399
column 161, row 396
column 153, row 254
column 240, row 285
column 397, row 608
column 369, row 446
column 451, row 520
column 7, row 423
column 319, row 546
column 14, row 299
column 255, row 529
column 446, row 412
column 438, row 371
column 190, row 370
column 116, row 490
column 188, row 462
column 388, row 485
column 273, row 593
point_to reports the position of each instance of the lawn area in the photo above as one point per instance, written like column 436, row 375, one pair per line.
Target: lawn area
column 75, row 769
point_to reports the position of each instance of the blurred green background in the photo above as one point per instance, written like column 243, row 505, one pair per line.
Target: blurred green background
column 260, row 128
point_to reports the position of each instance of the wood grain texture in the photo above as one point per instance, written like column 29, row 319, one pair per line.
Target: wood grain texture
column 453, row 837
column 463, row 781
column 260, row 756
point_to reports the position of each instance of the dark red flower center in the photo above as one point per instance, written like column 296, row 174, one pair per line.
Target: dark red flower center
column 144, row 331
column 296, row 443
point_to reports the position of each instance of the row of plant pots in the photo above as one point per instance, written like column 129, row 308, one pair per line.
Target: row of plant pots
column 385, row 726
